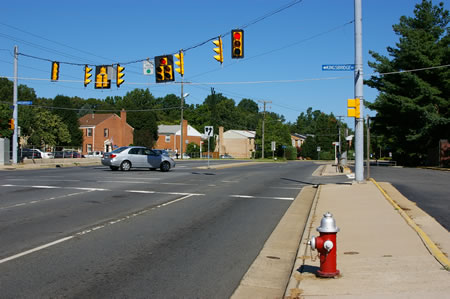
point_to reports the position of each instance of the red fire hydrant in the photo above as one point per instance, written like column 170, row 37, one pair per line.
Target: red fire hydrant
column 326, row 245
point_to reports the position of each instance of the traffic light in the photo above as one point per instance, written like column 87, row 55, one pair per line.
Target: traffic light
column 87, row 75
column 180, row 62
column 164, row 68
column 237, row 43
column 54, row 76
column 120, row 74
column 353, row 108
column 218, row 50
column 101, row 77
column 11, row 124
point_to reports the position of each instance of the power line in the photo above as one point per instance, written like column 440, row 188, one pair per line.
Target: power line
column 249, row 82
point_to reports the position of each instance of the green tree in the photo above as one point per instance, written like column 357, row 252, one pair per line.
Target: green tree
column 144, row 122
column 274, row 130
column 42, row 128
column 413, row 107
column 68, row 114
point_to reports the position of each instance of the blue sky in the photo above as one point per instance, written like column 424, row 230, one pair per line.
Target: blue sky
column 291, row 45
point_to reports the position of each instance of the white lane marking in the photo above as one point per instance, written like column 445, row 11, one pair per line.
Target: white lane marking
column 13, row 257
column 160, row 192
column 138, row 178
column 55, row 187
column 45, row 187
column 127, row 182
column 262, row 197
column 230, row 181
column 101, row 189
column 179, row 184
column 87, row 231
column 39, row 180
column 42, row 200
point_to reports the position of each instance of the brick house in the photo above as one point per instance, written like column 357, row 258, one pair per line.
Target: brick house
column 105, row 132
column 237, row 143
column 169, row 137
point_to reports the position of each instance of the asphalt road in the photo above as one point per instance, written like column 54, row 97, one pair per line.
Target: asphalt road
column 430, row 189
column 88, row 232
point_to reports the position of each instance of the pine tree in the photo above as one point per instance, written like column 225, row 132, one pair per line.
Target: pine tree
column 413, row 107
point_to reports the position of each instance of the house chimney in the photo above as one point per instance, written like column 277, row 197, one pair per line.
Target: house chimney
column 123, row 115
column 221, row 145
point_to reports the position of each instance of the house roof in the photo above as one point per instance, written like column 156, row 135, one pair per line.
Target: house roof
column 239, row 134
column 165, row 129
column 175, row 129
column 298, row 135
column 94, row 119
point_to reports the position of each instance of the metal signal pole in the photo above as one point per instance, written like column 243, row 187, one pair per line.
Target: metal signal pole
column 16, row 108
column 359, row 122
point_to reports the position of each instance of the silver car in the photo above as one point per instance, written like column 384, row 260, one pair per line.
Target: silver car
column 127, row 157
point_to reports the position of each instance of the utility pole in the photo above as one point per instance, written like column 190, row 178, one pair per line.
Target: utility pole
column 264, row 119
column 368, row 148
column 359, row 122
column 15, row 111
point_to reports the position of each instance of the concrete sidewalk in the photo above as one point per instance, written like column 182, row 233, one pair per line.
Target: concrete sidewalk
column 379, row 254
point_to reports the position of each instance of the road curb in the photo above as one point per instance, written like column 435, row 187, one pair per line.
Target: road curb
column 269, row 274
column 431, row 246
column 293, row 287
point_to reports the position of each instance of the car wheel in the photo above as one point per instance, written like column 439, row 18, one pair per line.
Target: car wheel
column 114, row 168
column 165, row 166
column 125, row 166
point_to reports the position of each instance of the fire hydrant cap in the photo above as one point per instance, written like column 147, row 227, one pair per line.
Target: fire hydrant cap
column 327, row 224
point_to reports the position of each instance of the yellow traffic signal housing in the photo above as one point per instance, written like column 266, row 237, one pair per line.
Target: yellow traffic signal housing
column 353, row 108
column 87, row 75
column 218, row 50
column 101, row 77
column 11, row 124
column 164, row 69
column 120, row 74
column 54, row 76
column 237, row 43
column 180, row 63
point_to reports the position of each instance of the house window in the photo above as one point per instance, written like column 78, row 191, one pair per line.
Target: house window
column 167, row 138
column 89, row 148
column 89, row 132
column 105, row 133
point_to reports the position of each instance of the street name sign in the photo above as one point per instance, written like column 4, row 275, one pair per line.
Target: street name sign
column 24, row 103
column 338, row 67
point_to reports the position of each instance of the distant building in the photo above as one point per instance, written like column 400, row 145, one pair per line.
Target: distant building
column 105, row 132
column 297, row 139
column 237, row 143
column 169, row 137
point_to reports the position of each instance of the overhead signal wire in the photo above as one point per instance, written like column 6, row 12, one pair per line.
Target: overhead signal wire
column 286, row 6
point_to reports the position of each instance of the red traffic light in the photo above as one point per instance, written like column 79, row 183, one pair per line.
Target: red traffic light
column 163, row 61
column 237, row 35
